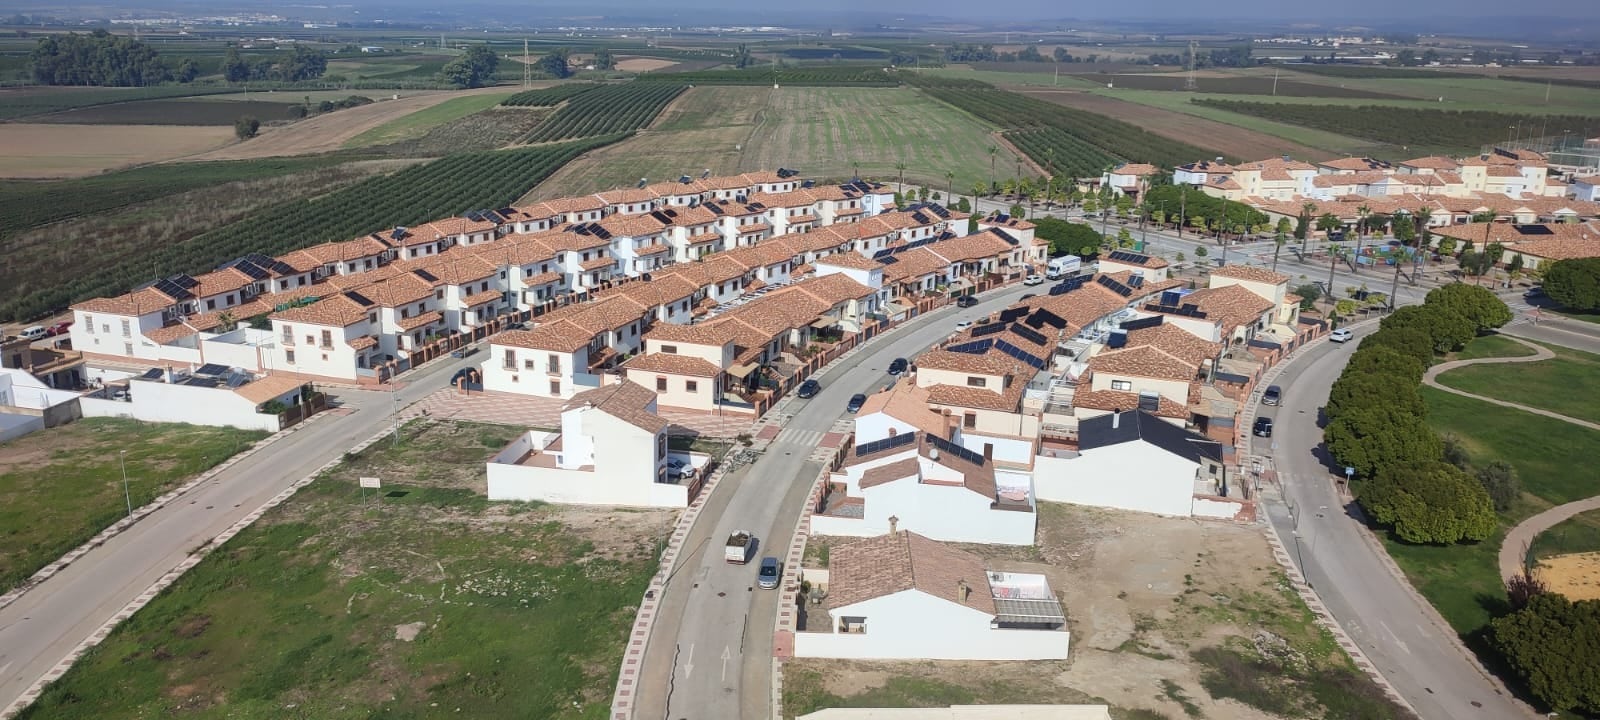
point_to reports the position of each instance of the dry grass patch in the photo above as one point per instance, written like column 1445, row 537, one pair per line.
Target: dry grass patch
column 51, row 150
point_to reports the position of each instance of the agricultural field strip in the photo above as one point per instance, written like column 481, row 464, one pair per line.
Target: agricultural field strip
column 612, row 109
column 1402, row 126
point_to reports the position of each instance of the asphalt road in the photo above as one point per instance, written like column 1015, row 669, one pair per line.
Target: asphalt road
column 710, row 653
column 1379, row 611
column 46, row 623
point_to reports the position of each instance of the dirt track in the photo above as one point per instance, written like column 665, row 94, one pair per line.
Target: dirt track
column 325, row 133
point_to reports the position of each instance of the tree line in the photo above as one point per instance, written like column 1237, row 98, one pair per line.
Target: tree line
column 301, row 63
column 100, row 58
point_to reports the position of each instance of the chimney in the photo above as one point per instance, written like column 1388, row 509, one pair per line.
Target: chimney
column 1116, row 418
column 894, row 524
column 893, row 432
column 962, row 591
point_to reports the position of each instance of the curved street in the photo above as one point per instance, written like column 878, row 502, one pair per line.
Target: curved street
column 1401, row 634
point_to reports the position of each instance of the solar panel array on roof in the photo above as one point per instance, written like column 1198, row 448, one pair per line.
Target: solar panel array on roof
column 1008, row 237
column 1136, row 281
column 360, row 299
column 1532, row 230
column 921, row 219
column 882, row 254
column 1010, row 314
column 1115, row 286
column 151, row 374
column 1029, row 334
column 1042, row 317
column 399, row 233
column 809, row 184
column 1129, row 257
column 1069, row 284
column 939, row 210
column 1020, row 354
column 212, row 369
column 987, row 329
column 177, row 286
column 976, row 347
column 946, row 446
column 888, row 443
column 258, row 266
column 425, row 275
column 787, row 173
column 1142, row 323
column 888, row 259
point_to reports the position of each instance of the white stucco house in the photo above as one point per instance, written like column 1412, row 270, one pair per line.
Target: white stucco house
column 904, row 596
column 214, row 395
column 611, row 450
column 930, row 486
column 1133, row 460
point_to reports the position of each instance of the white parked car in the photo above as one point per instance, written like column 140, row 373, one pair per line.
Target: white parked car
column 1033, row 280
column 964, row 324
column 1340, row 335
column 678, row 468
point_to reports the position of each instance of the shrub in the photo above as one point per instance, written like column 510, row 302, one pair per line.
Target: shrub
column 1428, row 502
column 1553, row 644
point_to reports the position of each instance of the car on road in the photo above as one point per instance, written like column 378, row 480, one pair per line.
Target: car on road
column 856, row 401
column 1272, row 396
column 59, row 328
column 964, row 324
column 966, row 301
column 808, row 389
column 1533, row 293
column 1032, row 280
column 767, row 577
column 1340, row 335
column 36, row 332
column 898, row 366
column 1263, row 427
column 679, row 468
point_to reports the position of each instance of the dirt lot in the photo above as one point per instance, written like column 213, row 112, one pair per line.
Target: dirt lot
column 40, row 150
column 1228, row 139
column 643, row 64
column 329, row 132
column 1167, row 616
column 1575, row 575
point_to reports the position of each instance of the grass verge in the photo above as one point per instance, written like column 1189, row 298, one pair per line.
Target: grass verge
column 1577, row 534
column 424, row 602
column 1547, row 384
column 61, row 486
column 1492, row 346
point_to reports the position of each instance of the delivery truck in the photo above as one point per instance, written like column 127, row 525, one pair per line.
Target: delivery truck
column 740, row 548
column 1063, row 266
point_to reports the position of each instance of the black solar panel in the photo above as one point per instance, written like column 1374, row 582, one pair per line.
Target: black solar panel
column 887, row 443
column 888, row 259
column 360, row 299
column 1042, row 317
column 212, row 369
column 1129, row 257
column 921, row 219
column 1020, row 354
column 174, row 288
column 1191, row 310
column 977, row 347
column 945, row 446
column 399, row 233
column 473, row 215
column 940, row 211
column 1532, row 230
column 987, row 329
column 882, row 254
column 600, row 232
column 1115, row 286
column 1142, row 323
column 1029, row 334
column 1010, row 314
column 1136, row 281
column 152, row 374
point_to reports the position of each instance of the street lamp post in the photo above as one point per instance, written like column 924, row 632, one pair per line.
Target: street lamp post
column 122, row 459
column 1302, row 558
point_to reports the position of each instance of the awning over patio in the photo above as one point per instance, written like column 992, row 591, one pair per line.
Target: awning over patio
column 824, row 322
column 1016, row 610
column 743, row 371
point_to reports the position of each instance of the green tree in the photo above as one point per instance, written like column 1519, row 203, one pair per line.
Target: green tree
column 1328, row 222
column 1500, row 481
column 1574, row 283
column 234, row 68
column 188, row 70
column 1553, row 645
column 246, row 127
column 1384, row 360
column 1430, row 502
column 1309, row 294
column 1067, row 237
column 1278, row 241
column 1515, row 266
column 603, row 59
column 1455, row 451
column 1124, row 238
column 1447, row 245
column 1480, row 305
column 476, row 67
column 1448, row 329
column 1201, row 251
column 1404, row 229
column 963, row 206
column 1370, row 437
column 1284, row 227
column 1354, row 391
column 1412, row 343
column 742, row 57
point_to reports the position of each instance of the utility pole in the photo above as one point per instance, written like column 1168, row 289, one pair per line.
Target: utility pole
column 1183, row 196
column 527, row 67
column 122, row 459
column 1188, row 83
column 1333, row 260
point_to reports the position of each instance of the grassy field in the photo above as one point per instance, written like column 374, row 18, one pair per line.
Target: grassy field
column 1003, row 78
column 174, row 112
column 429, row 601
column 1179, row 102
column 824, row 132
column 419, row 123
column 1467, row 92
column 48, row 150
column 1492, row 346
column 1547, row 384
column 1463, row 581
column 37, row 100
column 1579, row 533
column 58, row 487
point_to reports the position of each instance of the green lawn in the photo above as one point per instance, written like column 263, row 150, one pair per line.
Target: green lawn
column 1579, row 533
column 1583, row 316
column 1492, row 346
column 1462, row 581
column 61, row 486
column 1548, row 384
column 420, row 122
column 1466, row 92
column 429, row 601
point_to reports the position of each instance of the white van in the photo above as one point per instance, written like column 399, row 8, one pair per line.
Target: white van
column 36, row 332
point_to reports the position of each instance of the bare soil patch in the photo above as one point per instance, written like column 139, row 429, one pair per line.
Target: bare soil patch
column 1228, row 139
column 50, row 150
column 643, row 64
column 1575, row 575
column 330, row 131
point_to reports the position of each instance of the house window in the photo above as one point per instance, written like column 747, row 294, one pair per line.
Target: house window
column 1123, row 385
column 555, row 387
column 310, row 340
column 554, row 364
column 975, row 381
column 405, row 313
column 661, row 447
column 691, row 386
column 511, row 359
column 327, row 338
column 288, row 356
column 527, row 364
column 969, row 420
column 288, row 334
column 661, row 384
column 127, row 349
column 670, row 349
column 438, row 294
column 88, row 322
column 127, row 330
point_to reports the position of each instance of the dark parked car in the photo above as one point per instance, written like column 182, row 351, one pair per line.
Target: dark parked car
column 1533, row 293
column 898, row 366
column 768, row 577
column 1025, row 296
column 1272, row 396
column 1263, row 427
column 966, row 301
column 856, row 401
column 808, row 389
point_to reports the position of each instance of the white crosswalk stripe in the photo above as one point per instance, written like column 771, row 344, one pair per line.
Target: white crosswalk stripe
column 809, row 438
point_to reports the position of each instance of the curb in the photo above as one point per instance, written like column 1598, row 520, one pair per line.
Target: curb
column 139, row 513
column 161, row 584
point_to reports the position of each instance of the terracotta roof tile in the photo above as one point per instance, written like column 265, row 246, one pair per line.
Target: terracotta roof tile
column 338, row 310
column 560, row 336
column 673, row 364
column 267, row 388
column 1117, row 400
column 888, row 564
column 628, row 401
column 138, row 302
column 1251, row 273
column 1146, row 361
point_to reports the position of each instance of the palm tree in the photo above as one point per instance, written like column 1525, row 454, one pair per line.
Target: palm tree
column 1278, row 241
column 226, row 322
column 993, row 151
column 978, row 190
column 1423, row 217
column 1307, row 211
column 949, row 185
column 901, row 166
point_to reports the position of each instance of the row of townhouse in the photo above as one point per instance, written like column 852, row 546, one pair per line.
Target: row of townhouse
column 359, row 304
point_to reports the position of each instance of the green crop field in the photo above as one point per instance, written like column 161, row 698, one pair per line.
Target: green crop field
column 1464, row 131
column 823, row 132
column 28, row 101
column 420, row 122
column 61, row 486
column 1475, row 92
column 610, row 109
column 426, row 602
column 172, row 112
